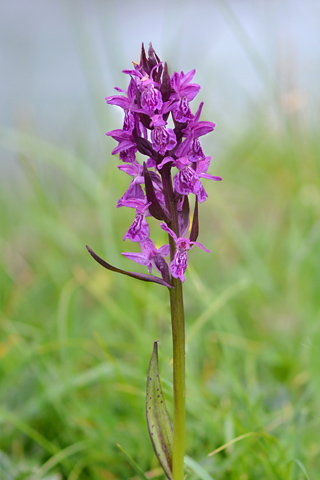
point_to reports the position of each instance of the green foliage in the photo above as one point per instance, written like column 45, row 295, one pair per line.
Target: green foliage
column 76, row 339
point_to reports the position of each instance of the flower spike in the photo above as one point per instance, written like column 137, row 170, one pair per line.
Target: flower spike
column 174, row 166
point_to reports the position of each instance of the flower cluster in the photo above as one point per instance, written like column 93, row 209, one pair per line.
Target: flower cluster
column 158, row 123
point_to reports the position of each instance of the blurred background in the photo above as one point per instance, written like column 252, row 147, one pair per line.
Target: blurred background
column 75, row 340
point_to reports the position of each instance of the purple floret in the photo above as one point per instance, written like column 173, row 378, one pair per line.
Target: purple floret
column 179, row 263
column 149, row 255
column 187, row 180
column 184, row 92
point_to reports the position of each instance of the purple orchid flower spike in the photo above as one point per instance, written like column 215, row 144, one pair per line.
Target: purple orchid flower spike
column 152, row 96
column 178, row 265
column 151, row 151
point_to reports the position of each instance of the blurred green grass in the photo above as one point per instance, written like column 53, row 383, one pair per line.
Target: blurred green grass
column 76, row 340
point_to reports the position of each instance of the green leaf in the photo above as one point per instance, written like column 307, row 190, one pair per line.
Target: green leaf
column 159, row 425
column 133, row 464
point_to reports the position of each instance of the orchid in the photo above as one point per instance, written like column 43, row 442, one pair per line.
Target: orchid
column 187, row 180
column 139, row 230
column 126, row 146
column 163, row 139
column 127, row 103
column 191, row 145
column 173, row 167
column 182, row 246
column 185, row 92
column 150, row 255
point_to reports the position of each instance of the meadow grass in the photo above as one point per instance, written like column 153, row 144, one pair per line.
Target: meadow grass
column 76, row 339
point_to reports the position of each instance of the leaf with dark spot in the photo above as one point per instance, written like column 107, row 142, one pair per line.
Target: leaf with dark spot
column 140, row 276
column 159, row 424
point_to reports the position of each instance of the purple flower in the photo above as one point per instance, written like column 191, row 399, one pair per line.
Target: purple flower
column 150, row 255
column 182, row 86
column 185, row 92
column 126, row 103
column 135, row 170
column 151, row 99
column 191, row 146
column 163, row 139
column 126, row 147
column 139, row 230
column 181, row 111
column 187, row 180
column 179, row 263
column 135, row 191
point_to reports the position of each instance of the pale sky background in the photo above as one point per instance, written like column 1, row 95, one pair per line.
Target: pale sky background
column 59, row 59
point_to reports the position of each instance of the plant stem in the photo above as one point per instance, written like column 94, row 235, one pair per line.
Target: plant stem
column 178, row 339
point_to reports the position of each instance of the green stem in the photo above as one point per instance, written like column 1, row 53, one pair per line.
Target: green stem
column 178, row 340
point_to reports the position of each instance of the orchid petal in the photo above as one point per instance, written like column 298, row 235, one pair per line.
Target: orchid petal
column 137, row 257
column 168, row 230
column 207, row 175
column 201, row 246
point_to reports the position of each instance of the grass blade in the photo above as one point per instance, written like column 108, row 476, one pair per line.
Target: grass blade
column 197, row 468
column 133, row 464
